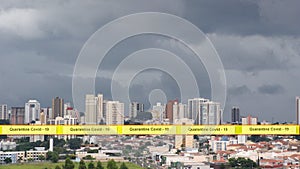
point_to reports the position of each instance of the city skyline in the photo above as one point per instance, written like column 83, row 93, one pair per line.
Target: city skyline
column 257, row 43
column 95, row 109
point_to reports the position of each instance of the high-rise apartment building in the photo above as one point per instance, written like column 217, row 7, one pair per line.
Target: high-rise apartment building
column 135, row 108
column 17, row 115
column 249, row 120
column 3, row 112
column 48, row 112
column 169, row 109
column 235, row 115
column 43, row 118
column 57, row 107
column 158, row 111
column 179, row 111
column 32, row 111
column 203, row 111
column 93, row 109
column 66, row 106
column 114, row 112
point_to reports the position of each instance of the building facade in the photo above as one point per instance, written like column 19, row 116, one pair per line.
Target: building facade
column 48, row 112
column 3, row 112
column 32, row 111
column 17, row 115
column 158, row 111
column 179, row 111
column 93, row 109
column 249, row 120
column 235, row 115
column 114, row 112
column 135, row 108
column 57, row 107
column 169, row 110
column 204, row 112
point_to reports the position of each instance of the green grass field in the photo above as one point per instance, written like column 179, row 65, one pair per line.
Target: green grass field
column 48, row 165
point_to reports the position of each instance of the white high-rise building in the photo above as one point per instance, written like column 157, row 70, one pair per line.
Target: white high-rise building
column 32, row 111
column 3, row 112
column 158, row 111
column 249, row 120
column 72, row 112
column 66, row 106
column 114, row 112
column 204, row 111
column 93, row 109
column 135, row 108
column 179, row 111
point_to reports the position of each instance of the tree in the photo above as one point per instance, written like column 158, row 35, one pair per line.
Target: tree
column 68, row 164
column 88, row 157
column 91, row 165
column 7, row 160
column 49, row 155
column 74, row 143
column 257, row 139
column 57, row 167
column 99, row 165
column 112, row 164
column 52, row 156
column 123, row 166
column 82, row 165
column 30, row 159
column 128, row 147
column 148, row 143
column 59, row 142
column 55, row 158
column 242, row 163
column 41, row 157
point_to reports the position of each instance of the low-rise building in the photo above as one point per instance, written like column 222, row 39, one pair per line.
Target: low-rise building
column 270, row 163
column 35, row 154
column 12, row 155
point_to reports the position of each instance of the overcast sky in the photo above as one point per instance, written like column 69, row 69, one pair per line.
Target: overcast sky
column 258, row 43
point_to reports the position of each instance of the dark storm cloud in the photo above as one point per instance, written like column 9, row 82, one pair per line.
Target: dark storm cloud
column 271, row 89
column 258, row 43
column 256, row 53
column 246, row 17
column 48, row 40
column 238, row 90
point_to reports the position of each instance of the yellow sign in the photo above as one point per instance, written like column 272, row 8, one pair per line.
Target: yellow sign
column 270, row 129
column 89, row 130
column 149, row 130
column 28, row 130
column 208, row 130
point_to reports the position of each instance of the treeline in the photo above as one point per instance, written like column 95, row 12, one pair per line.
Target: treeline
column 111, row 164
